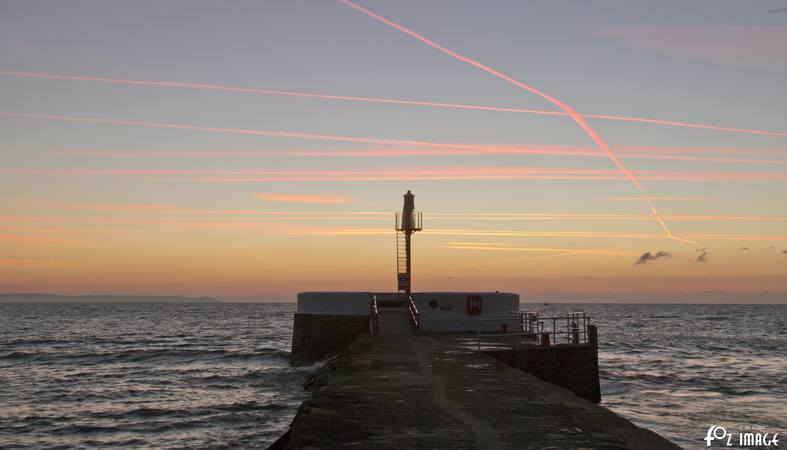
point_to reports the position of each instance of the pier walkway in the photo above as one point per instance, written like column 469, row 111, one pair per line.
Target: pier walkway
column 437, row 392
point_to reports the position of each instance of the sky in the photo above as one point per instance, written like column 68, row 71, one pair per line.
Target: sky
column 249, row 150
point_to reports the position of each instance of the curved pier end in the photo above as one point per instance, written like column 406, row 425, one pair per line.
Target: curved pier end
column 327, row 322
column 436, row 391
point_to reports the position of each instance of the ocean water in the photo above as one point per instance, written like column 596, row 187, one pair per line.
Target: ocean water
column 217, row 375
column 146, row 376
column 680, row 369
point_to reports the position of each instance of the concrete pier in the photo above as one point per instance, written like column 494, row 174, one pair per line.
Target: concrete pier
column 436, row 391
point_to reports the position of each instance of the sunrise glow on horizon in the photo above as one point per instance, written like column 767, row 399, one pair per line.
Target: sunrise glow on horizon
column 625, row 157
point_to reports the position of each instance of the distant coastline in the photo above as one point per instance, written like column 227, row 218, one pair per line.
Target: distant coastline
column 99, row 298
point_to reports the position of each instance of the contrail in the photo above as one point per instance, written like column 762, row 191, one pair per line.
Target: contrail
column 257, row 91
column 267, row 133
column 246, row 214
column 483, row 246
column 379, row 174
column 670, row 198
column 705, row 150
column 445, row 148
column 415, row 150
column 324, row 231
column 573, row 114
column 157, row 209
column 470, row 232
column 398, row 152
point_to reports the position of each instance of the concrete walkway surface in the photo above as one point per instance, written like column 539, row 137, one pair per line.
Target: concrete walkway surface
column 435, row 392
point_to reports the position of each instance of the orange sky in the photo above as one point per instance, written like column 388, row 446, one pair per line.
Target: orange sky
column 626, row 160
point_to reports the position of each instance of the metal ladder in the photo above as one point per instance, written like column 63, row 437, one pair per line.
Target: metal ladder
column 401, row 258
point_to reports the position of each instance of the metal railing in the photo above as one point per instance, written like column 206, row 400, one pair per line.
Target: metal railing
column 415, row 316
column 530, row 328
column 374, row 316
column 412, row 221
column 571, row 328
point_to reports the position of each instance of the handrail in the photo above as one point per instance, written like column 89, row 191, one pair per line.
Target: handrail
column 375, row 315
column 411, row 222
column 415, row 316
column 571, row 328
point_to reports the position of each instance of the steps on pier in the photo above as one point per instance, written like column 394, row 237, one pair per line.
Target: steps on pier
column 395, row 321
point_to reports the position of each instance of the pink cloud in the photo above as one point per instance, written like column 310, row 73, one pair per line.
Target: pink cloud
column 747, row 46
column 298, row 198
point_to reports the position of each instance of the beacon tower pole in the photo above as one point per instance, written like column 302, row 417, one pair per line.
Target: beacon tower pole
column 407, row 223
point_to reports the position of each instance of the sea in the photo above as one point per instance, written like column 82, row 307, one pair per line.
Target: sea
column 216, row 375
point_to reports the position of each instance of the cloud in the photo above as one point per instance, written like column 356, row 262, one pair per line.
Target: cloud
column 298, row 198
column 702, row 258
column 756, row 46
column 744, row 248
column 648, row 256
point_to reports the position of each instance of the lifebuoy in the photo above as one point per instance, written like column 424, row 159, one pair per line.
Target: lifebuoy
column 474, row 305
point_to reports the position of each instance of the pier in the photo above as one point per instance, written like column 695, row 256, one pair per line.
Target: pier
column 449, row 370
column 437, row 391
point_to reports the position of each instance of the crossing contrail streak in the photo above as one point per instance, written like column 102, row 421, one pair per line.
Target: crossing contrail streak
column 570, row 111
column 257, row 91
column 444, row 147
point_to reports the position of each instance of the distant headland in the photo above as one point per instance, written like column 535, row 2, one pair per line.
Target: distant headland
column 99, row 298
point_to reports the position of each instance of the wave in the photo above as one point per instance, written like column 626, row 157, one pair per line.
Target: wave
column 715, row 318
column 17, row 355
column 172, row 355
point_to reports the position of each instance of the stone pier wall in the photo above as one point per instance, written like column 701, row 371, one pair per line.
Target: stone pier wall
column 318, row 336
column 573, row 367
